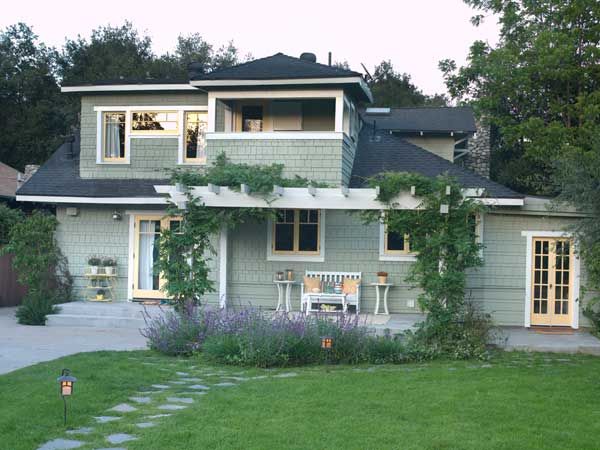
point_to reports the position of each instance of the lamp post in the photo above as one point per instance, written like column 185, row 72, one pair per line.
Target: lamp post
column 327, row 346
column 66, row 383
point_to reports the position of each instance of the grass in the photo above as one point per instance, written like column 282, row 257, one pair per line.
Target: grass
column 517, row 400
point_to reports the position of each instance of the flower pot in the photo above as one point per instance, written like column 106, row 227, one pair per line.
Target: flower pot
column 94, row 270
column 109, row 270
column 99, row 296
column 382, row 279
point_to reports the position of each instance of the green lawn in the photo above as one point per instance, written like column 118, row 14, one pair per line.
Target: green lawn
column 522, row 401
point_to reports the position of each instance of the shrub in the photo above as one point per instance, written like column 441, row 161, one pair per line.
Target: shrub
column 35, row 307
column 173, row 333
column 8, row 218
column 592, row 312
column 40, row 266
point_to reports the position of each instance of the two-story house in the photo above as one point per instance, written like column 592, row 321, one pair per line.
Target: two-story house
column 110, row 189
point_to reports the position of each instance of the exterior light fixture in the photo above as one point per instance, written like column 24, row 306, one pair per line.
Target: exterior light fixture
column 116, row 215
column 66, row 383
column 327, row 346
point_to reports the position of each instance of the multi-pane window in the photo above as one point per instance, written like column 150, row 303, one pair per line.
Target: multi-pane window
column 149, row 122
column 113, row 136
column 252, row 118
column 297, row 231
column 195, row 137
column 396, row 243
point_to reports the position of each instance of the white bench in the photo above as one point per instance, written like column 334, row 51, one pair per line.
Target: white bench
column 309, row 299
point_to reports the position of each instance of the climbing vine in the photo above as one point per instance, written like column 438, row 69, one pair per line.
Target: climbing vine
column 186, row 250
column 442, row 232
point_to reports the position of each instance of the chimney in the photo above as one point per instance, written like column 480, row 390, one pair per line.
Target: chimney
column 30, row 169
column 479, row 150
column 329, row 58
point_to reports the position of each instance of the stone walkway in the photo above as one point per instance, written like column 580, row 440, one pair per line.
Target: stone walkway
column 150, row 407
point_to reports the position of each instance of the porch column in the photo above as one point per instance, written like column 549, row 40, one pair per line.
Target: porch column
column 223, row 268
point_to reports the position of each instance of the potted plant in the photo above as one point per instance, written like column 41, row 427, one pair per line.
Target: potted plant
column 109, row 265
column 382, row 277
column 100, row 294
column 94, row 262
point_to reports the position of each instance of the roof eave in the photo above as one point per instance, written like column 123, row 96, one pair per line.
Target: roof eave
column 128, row 87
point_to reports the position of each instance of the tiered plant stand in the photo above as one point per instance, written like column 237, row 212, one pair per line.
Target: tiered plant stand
column 102, row 281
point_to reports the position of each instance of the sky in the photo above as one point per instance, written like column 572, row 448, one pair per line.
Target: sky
column 415, row 35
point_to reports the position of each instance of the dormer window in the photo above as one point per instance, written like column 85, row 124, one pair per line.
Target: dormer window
column 113, row 136
column 154, row 122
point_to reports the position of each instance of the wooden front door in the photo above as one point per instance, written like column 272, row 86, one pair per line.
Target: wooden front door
column 552, row 282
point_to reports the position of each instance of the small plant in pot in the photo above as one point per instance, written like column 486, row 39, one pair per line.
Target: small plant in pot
column 94, row 262
column 382, row 277
column 109, row 265
column 100, row 294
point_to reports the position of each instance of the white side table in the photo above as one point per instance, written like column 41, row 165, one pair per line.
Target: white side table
column 386, row 289
column 284, row 289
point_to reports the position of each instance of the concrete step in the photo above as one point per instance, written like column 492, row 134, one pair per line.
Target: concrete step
column 103, row 321
column 116, row 309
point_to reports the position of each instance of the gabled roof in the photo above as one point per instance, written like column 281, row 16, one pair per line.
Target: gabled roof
column 426, row 119
column 277, row 66
column 379, row 151
column 59, row 177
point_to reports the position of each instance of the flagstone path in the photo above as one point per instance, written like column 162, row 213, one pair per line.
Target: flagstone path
column 152, row 404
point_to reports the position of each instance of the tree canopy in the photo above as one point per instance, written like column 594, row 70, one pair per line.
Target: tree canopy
column 534, row 87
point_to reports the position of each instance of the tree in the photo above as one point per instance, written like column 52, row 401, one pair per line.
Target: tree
column 533, row 86
column 394, row 89
column 31, row 118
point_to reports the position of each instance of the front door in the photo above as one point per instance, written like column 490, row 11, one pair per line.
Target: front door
column 552, row 282
column 147, row 281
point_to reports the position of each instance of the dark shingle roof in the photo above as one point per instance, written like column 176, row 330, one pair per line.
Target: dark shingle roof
column 59, row 176
column 431, row 119
column 278, row 66
column 127, row 81
column 381, row 151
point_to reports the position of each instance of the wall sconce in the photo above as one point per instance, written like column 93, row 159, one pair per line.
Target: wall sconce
column 66, row 383
column 116, row 215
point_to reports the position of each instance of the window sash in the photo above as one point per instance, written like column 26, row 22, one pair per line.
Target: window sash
column 200, row 121
column 113, row 118
column 310, row 219
column 388, row 251
column 170, row 119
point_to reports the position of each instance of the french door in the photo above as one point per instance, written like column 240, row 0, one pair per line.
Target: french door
column 552, row 281
column 147, row 281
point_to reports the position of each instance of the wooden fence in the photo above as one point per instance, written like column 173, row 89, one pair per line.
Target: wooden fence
column 11, row 291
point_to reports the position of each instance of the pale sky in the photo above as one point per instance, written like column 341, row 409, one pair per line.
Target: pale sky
column 414, row 34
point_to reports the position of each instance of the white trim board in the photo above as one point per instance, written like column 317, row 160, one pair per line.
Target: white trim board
column 383, row 256
column 152, row 108
column 94, row 200
column 275, row 135
column 128, row 87
column 529, row 235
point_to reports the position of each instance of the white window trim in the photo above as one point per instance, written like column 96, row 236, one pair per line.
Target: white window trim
column 383, row 256
column 530, row 235
column 298, row 258
column 275, row 135
column 180, row 109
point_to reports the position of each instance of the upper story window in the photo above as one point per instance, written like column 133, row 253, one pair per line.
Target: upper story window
column 297, row 232
column 195, row 137
column 153, row 122
column 252, row 118
column 113, row 136
column 396, row 243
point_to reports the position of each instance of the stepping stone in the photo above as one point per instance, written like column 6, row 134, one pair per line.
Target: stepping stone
column 238, row 378
column 140, row 399
column 182, row 374
column 145, row 424
column 61, row 444
column 161, row 386
column 287, row 375
column 178, row 382
column 82, row 430
column 119, row 438
column 198, row 386
column 225, row 384
column 486, row 366
column 158, row 416
column 262, row 377
column 106, row 419
column 170, row 407
column 123, row 407
column 180, row 399
column 194, row 393
column 112, row 448
column 190, row 379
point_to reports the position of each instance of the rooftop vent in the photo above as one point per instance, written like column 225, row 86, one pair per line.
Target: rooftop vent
column 378, row 111
column 310, row 57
